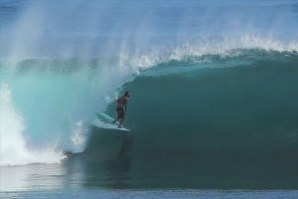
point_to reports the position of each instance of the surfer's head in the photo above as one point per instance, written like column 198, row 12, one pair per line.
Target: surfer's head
column 126, row 94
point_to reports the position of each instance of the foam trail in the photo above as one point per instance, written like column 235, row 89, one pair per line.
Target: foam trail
column 13, row 146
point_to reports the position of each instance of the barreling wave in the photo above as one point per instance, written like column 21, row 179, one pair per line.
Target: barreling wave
column 52, row 101
column 233, row 121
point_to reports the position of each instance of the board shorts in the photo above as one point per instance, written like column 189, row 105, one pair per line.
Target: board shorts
column 120, row 112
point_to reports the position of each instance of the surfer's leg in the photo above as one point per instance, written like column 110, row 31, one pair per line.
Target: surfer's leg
column 117, row 119
column 118, row 116
column 121, row 119
column 120, row 124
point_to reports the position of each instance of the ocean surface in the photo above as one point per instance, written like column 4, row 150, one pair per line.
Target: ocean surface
column 213, row 109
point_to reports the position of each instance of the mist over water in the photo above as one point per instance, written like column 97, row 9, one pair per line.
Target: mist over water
column 78, row 29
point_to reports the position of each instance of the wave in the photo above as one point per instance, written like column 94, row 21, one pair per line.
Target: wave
column 54, row 101
column 61, row 68
column 217, row 122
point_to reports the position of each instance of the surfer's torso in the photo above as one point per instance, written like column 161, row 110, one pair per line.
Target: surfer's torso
column 121, row 102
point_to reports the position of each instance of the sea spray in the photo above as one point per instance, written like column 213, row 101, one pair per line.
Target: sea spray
column 13, row 145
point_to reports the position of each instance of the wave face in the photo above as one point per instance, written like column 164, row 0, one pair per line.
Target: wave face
column 227, row 127
column 248, row 109
column 62, row 61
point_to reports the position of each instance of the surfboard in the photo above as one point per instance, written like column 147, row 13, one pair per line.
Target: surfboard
column 104, row 117
column 105, row 121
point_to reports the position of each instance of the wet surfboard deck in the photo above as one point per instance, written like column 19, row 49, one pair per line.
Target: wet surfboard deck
column 105, row 121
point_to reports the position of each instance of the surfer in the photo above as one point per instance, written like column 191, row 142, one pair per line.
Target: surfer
column 121, row 108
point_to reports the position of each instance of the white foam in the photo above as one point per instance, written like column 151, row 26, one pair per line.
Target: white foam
column 226, row 46
column 13, row 145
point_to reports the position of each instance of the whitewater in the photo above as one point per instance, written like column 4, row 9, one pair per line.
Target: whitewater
column 213, row 96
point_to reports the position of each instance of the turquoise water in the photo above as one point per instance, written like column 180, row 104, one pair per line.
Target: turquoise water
column 213, row 107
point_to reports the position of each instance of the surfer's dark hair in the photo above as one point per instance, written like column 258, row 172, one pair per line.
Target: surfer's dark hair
column 126, row 94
